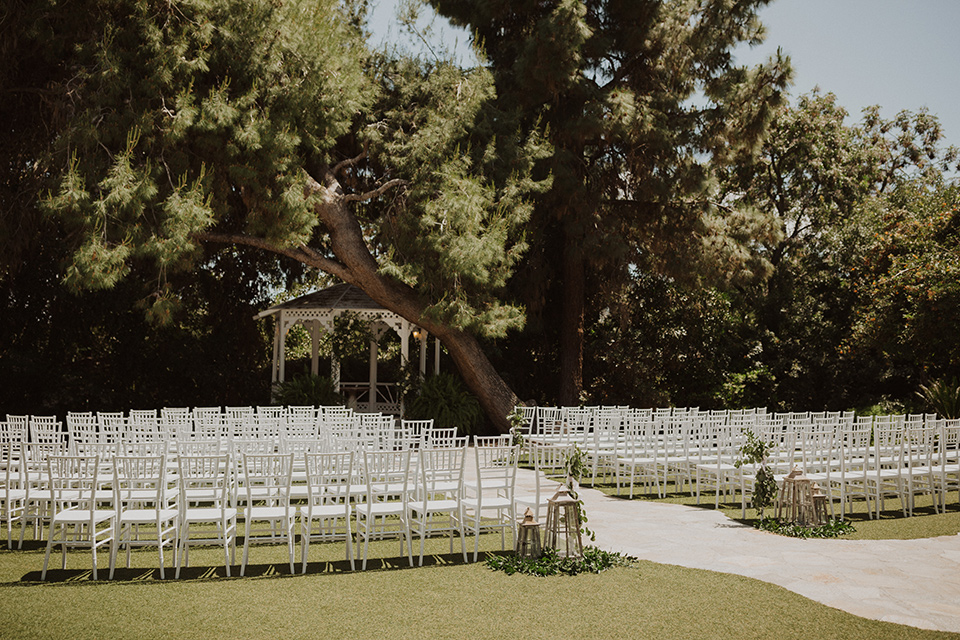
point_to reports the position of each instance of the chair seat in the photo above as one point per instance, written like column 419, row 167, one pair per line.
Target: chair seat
column 378, row 509
column 208, row 514
column 147, row 516
column 81, row 516
column 325, row 511
column 270, row 513
column 434, row 505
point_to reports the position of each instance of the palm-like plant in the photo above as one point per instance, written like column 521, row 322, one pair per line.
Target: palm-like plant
column 942, row 396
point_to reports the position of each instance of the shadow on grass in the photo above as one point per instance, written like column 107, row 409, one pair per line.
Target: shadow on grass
column 140, row 575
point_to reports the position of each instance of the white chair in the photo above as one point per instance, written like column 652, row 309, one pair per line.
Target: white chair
column 111, row 426
column 493, row 491
column 142, row 426
column 716, row 468
column 78, row 520
column 635, row 458
column 146, row 504
column 208, row 423
column 918, row 473
column 326, row 516
column 550, row 472
column 948, row 470
column 176, row 423
column 271, row 422
column 435, row 506
column 17, row 429
column 386, row 475
column 38, row 503
column 205, row 499
column 439, row 437
column 81, row 430
column 299, row 447
column 266, row 480
column 549, row 423
column 13, row 493
column 414, row 430
column 46, row 430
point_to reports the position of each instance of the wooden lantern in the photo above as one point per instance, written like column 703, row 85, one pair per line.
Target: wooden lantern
column 563, row 525
column 528, row 541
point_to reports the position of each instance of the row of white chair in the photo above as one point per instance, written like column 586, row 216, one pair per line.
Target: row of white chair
column 329, row 490
column 90, row 429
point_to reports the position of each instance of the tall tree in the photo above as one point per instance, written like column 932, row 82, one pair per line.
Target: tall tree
column 822, row 179
column 640, row 99
column 268, row 125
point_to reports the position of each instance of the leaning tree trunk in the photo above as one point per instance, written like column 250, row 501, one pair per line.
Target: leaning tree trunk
column 353, row 263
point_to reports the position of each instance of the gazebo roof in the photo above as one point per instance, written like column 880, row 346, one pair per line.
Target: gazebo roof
column 344, row 297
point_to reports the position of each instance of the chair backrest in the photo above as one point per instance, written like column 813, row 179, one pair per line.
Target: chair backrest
column 141, row 481
column 268, row 477
column 200, row 447
column 142, row 425
column 492, row 441
column 549, row 420
column 18, row 428
column 330, row 476
column 74, row 481
column 496, row 468
column 435, row 435
column 386, row 475
column 299, row 447
column 439, row 471
column 82, row 429
column 46, row 430
column 204, row 479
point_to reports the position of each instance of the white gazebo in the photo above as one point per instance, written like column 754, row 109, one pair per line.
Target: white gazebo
column 317, row 312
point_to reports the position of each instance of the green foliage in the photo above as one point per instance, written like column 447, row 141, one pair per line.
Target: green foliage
column 443, row 398
column 517, row 423
column 832, row 529
column 943, row 397
column 660, row 344
column 910, row 274
column 307, row 390
column 594, row 560
column 755, row 451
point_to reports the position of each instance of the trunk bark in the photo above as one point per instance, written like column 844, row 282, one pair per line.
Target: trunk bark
column 571, row 323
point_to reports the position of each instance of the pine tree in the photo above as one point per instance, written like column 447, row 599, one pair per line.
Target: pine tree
column 270, row 125
column 642, row 100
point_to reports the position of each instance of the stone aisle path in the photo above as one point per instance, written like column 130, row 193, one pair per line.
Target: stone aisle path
column 911, row 582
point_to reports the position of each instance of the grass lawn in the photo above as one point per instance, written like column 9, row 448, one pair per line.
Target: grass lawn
column 447, row 599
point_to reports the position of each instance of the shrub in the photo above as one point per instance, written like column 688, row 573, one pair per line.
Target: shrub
column 943, row 396
column 443, row 398
column 307, row 389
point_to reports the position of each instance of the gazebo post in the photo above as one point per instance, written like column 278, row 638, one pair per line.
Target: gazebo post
column 315, row 347
column 283, row 348
column 372, row 399
column 436, row 356
column 423, row 354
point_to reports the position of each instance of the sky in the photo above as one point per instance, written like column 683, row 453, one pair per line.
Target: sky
column 899, row 54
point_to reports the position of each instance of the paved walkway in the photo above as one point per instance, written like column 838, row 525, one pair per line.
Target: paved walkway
column 911, row 582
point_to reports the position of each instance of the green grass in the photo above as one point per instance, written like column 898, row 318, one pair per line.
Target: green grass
column 445, row 599
column 448, row 599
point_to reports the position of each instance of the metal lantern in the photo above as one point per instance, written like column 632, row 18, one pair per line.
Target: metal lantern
column 528, row 542
column 563, row 525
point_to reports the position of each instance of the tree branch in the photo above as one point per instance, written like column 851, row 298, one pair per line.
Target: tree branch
column 379, row 191
column 349, row 162
column 303, row 253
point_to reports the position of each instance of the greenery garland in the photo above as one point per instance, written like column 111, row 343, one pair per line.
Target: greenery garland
column 550, row 563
